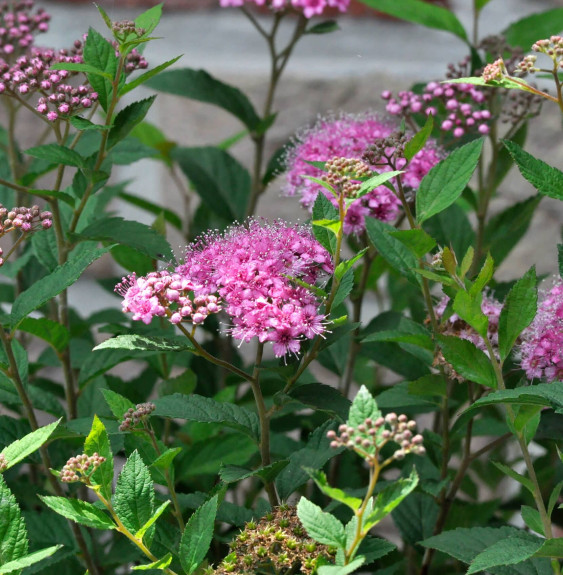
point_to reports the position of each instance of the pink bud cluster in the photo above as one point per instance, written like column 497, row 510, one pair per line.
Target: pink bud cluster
column 18, row 26
column 80, row 468
column 133, row 417
column 552, row 47
column 350, row 136
column 24, row 219
column 246, row 271
column 309, row 8
column 457, row 327
column 461, row 104
column 542, row 348
column 368, row 438
column 3, row 463
column 165, row 294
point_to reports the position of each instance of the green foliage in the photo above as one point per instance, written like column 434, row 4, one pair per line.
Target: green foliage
column 21, row 448
column 197, row 536
column 524, row 32
column 97, row 441
column 320, row 525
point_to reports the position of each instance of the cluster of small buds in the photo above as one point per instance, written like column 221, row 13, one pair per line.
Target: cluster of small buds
column 369, row 437
column 461, row 104
column 3, row 463
column 520, row 106
column 18, row 26
column 135, row 61
column 133, row 417
column 80, row 468
column 165, row 294
column 277, row 542
column 527, row 65
column 494, row 71
column 124, row 28
column 552, row 47
column 24, row 219
column 343, row 175
column 387, row 151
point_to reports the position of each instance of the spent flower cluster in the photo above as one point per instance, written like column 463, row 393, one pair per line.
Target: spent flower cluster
column 350, row 136
column 368, row 438
column 542, row 348
column 80, row 468
column 133, row 417
column 277, row 541
column 246, row 271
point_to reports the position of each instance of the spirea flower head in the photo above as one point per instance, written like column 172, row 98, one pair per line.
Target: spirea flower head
column 542, row 348
column 18, row 25
column 350, row 136
column 132, row 417
column 309, row 8
column 81, row 468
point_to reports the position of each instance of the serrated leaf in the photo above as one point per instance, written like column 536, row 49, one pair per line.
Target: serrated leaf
column 160, row 564
column 321, row 397
column 422, row 13
column 56, row 154
column 127, row 119
column 532, row 519
column 518, row 312
column 54, row 333
column 145, row 343
column 117, row 403
column 97, row 441
column 363, row 407
column 417, row 142
column 320, row 525
column 417, row 240
column 53, row 284
column 468, row 360
column 445, row 182
column 201, row 86
column 141, row 532
column 319, row 477
column 197, row 536
column 546, row 179
column 165, row 459
column 374, row 182
column 13, row 534
column 21, row 448
column 100, row 54
column 28, row 560
column 134, row 493
column 234, row 473
column 324, row 210
column 207, row 410
column 134, row 234
column 344, row 288
column 79, row 511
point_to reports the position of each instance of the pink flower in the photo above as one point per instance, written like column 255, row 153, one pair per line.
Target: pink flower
column 542, row 348
column 309, row 8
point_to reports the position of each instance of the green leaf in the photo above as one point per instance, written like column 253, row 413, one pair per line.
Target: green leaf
column 321, row 397
column 79, row 511
column 117, row 403
column 417, row 240
column 468, row 360
column 363, row 407
column 505, row 229
column 546, row 179
column 28, row 560
column 100, row 54
column 149, row 19
column 199, row 85
column 526, row 31
column 150, row 522
column 54, row 333
column 374, row 182
column 518, row 311
column 390, row 498
column 234, row 473
column 323, row 27
column 21, row 448
column 55, row 154
column 160, row 564
column 527, row 483
column 342, row 570
column 145, row 343
column 468, row 307
column 97, row 441
column 134, row 234
column 397, row 255
column 509, row 551
column 344, row 266
column 171, row 217
column 164, row 460
column 126, row 88
column 319, row 477
column 324, row 210
column 53, row 284
column 13, row 534
column 406, row 331
column 197, row 536
column 417, row 142
column 422, row 13
column 85, row 68
column 445, row 182
column 532, row 519
column 321, row 526
column 127, row 119
column 207, row 410
column 344, row 288
column 221, row 182
column 484, row 276
column 134, row 493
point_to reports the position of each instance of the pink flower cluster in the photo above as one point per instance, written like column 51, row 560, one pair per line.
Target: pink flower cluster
column 246, row 271
column 309, row 8
column 457, row 327
column 350, row 136
column 18, row 26
column 458, row 105
column 542, row 348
